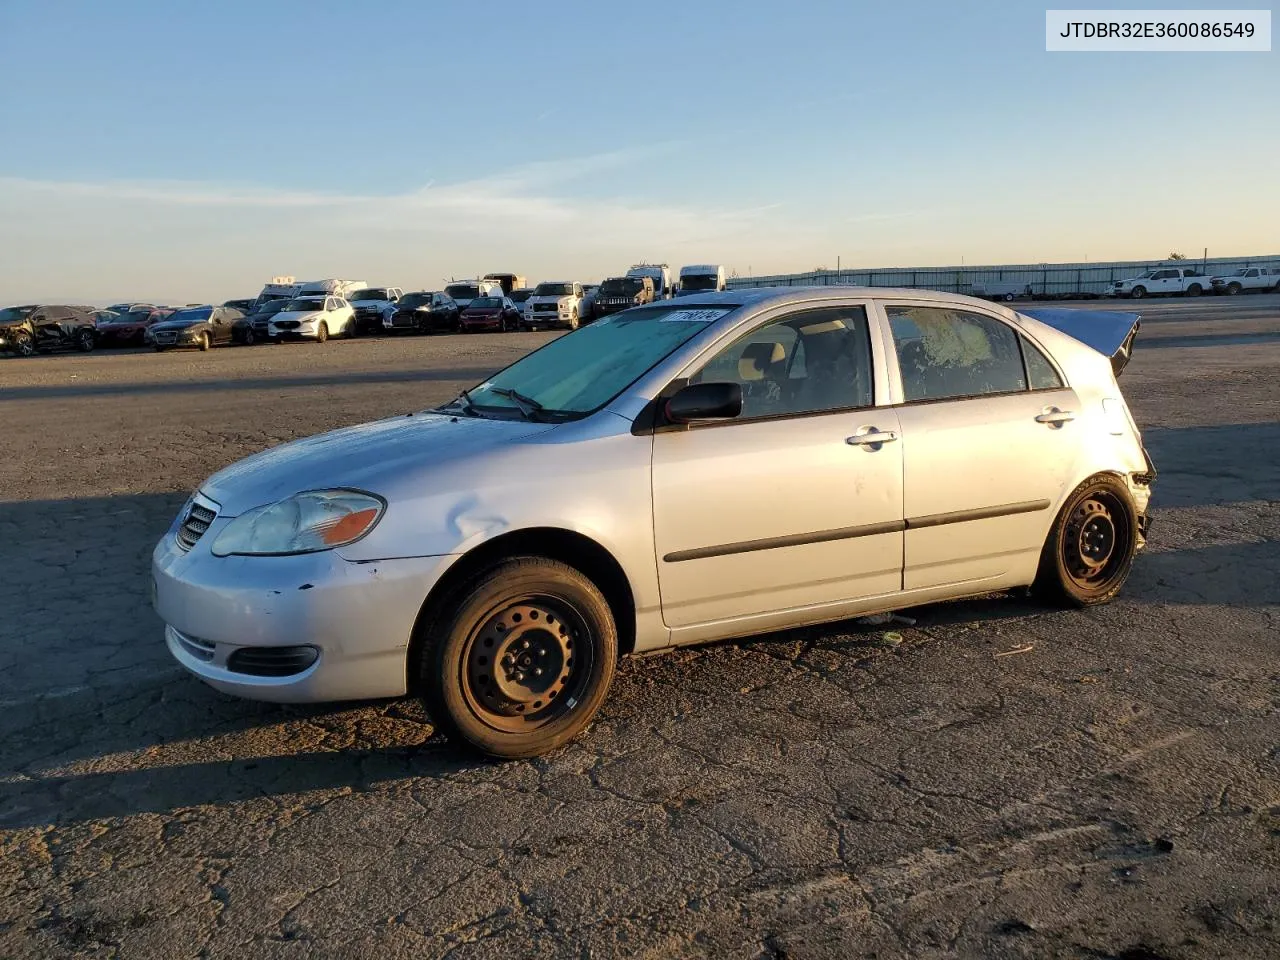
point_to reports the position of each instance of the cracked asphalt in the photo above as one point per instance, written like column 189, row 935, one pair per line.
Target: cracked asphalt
column 1006, row 781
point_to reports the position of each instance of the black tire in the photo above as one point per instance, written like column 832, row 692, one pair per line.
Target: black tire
column 1138, row 293
column 204, row 343
column 525, row 615
column 250, row 338
column 23, row 344
column 1234, row 289
column 573, row 319
column 1194, row 290
column 159, row 349
column 85, row 340
column 322, row 332
column 1009, row 298
column 1090, row 550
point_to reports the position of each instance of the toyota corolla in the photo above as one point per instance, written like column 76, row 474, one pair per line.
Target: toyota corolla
column 727, row 465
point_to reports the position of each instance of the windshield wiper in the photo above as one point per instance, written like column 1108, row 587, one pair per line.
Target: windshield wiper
column 464, row 400
column 527, row 406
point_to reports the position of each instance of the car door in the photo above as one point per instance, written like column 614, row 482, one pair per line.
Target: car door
column 791, row 507
column 988, row 443
column 220, row 324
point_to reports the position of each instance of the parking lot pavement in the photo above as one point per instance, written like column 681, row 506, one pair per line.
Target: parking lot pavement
column 1000, row 781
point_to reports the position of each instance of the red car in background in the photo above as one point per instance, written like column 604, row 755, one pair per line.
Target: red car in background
column 128, row 328
column 489, row 313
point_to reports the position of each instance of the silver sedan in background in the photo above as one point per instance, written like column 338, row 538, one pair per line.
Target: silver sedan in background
column 724, row 465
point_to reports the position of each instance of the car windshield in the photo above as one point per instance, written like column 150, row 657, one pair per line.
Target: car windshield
column 1148, row 275
column 192, row 316
column 372, row 293
column 699, row 281
column 582, row 371
column 462, row 291
column 622, row 287
column 485, row 303
column 271, row 308
column 411, row 301
column 553, row 290
column 301, row 306
column 1237, row 273
column 14, row 314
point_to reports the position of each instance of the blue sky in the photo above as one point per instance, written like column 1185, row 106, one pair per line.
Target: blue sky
column 191, row 151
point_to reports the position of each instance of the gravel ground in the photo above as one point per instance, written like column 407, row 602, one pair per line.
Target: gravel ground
column 1112, row 792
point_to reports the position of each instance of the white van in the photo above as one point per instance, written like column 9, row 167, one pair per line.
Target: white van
column 464, row 291
column 701, row 278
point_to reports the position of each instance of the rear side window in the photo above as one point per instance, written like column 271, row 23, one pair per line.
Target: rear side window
column 1040, row 372
column 947, row 354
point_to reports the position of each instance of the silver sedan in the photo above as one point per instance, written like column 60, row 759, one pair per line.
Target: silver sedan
column 724, row 465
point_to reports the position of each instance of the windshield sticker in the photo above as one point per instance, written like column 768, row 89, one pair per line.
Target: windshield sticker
column 695, row 316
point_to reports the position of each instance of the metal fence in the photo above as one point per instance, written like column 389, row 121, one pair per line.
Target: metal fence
column 1051, row 280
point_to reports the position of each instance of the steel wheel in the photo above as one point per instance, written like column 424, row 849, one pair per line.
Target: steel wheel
column 517, row 659
column 1091, row 549
column 521, row 665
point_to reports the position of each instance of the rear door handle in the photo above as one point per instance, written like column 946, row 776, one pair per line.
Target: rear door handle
column 872, row 438
column 1055, row 417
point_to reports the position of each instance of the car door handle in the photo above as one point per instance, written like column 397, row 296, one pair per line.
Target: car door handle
column 872, row 438
column 1055, row 417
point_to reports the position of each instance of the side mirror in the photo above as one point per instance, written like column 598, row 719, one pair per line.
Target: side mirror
column 705, row 401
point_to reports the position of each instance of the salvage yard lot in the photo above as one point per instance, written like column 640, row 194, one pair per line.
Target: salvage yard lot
column 1005, row 781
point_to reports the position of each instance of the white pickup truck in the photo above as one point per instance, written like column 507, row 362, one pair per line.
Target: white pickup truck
column 1248, row 278
column 1164, row 280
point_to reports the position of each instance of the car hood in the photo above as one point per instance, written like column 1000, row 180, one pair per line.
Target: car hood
column 1110, row 332
column 178, row 325
column 298, row 315
column 382, row 457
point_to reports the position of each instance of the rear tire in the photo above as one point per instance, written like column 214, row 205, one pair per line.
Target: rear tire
column 249, row 337
column 1090, row 550
column 85, row 340
column 517, row 661
column 1194, row 290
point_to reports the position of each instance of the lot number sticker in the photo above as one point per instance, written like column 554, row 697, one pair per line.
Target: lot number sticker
column 695, row 316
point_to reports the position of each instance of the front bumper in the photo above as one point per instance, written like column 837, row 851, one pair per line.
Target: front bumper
column 358, row 617
column 304, row 331
column 480, row 323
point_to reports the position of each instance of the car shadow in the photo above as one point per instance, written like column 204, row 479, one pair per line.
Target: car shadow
column 1209, row 465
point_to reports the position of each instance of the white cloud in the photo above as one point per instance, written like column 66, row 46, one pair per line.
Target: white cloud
column 191, row 240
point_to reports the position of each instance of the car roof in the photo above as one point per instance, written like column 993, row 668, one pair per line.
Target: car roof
column 761, row 297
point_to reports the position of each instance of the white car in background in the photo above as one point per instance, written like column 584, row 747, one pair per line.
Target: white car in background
column 313, row 318
column 555, row 303
column 1239, row 281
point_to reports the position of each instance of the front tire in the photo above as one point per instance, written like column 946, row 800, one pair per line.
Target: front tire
column 1234, row 289
column 519, row 659
column 249, row 337
column 1091, row 548
column 1137, row 293
column 204, row 343
column 23, row 344
column 322, row 334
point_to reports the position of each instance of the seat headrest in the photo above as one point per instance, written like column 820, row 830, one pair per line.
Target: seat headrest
column 757, row 358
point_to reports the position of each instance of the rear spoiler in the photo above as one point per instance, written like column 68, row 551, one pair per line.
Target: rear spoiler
column 1109, row 332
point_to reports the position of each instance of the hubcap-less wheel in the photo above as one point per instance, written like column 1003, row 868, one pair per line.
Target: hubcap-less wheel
column 1089, row 543
column 523, row 667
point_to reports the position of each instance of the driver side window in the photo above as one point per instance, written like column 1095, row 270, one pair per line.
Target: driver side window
column 814, row 361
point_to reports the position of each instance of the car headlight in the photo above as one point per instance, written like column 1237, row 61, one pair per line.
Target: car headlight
column 304, row 523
